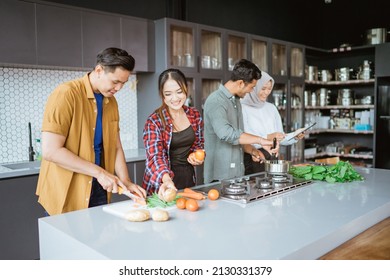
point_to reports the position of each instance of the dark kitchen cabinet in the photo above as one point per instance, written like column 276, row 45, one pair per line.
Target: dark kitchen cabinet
column 59, row 37
column 137, row 37
column 207, row 54
column 382, row 118
column 17, row 32
column 100, row 31
column 19, row 214
column 258, row 52
column 382, row 58
column 285, row 62
column 53, row 35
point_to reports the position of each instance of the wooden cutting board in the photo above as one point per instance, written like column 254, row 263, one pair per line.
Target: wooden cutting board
column 120, row 209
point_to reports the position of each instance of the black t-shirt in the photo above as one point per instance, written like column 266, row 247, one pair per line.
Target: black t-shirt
column 181, row 144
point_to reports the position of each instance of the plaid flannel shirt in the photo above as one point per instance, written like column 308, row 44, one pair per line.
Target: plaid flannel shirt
column 157, row 140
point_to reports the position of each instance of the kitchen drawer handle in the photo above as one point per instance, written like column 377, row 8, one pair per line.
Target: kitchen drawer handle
column 384, row 117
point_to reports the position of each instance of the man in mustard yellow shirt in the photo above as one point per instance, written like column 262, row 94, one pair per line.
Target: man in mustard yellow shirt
column 82, row 156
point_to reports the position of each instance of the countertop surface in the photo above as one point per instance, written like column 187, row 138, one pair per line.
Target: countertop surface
column 304, row 223
column 26, row 168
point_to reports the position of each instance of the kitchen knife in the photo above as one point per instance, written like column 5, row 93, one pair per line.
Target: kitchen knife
column 127, row 193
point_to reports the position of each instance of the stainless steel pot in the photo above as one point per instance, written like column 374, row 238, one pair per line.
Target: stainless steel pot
column 311, row 73
column 323, row 94
column 345, row 97
column 277, row 166
column 325, row 75
column 342, row 74
column 376, row 36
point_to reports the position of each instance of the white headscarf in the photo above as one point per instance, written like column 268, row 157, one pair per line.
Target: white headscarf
column 252, row 98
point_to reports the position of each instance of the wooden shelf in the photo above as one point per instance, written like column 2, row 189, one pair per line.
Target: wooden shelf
column 326, row 154
column 340, row 107
column 341, row 83
column 310, row 49
column 350, row 131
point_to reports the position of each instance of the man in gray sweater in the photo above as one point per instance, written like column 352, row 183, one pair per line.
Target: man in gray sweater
column 225, row 139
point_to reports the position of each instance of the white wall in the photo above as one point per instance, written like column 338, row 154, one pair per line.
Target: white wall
column 23, row 94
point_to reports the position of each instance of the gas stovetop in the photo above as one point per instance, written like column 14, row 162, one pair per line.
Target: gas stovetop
column 257, row 186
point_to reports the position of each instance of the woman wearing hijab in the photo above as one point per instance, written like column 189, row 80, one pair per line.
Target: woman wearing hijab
column 263, row 119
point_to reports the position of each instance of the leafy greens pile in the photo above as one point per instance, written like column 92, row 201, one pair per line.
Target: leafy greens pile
column 341, row 172
column 155, row 201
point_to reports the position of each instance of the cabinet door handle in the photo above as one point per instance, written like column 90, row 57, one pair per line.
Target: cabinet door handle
column 384, row 117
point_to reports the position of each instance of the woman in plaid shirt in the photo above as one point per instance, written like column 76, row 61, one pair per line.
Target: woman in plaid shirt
column 171, row 133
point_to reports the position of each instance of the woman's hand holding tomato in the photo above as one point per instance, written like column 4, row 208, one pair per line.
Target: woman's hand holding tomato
column 196, row 157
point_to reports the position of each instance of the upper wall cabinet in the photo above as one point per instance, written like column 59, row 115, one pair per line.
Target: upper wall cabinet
column 211, row 49
column 297, row 61
column 180, row 45
column 137, row 38
column 259, row 52
column 103, row 30
column 17, row 32
column 59, row 36
column 49, row 35
column 100, row 31
column 237, row 48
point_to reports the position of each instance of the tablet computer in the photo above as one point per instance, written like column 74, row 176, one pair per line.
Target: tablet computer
column 298, row 131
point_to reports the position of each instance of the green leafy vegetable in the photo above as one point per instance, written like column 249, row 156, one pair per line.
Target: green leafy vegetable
column 343, row 171
column 154, row 201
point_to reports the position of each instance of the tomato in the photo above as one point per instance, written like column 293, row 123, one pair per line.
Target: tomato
column 192, row 204
column 213, row 194
column 199, row 155
column 181, row 203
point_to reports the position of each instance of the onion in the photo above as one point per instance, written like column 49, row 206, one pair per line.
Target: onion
column 159, row 215
column 138, row 215
column 169, row 195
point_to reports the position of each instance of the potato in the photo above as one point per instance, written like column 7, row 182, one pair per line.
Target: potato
column 159, row 215
column 139, row 215
column 169, row 195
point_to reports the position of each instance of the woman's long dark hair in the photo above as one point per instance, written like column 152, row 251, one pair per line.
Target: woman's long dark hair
column 173, row 74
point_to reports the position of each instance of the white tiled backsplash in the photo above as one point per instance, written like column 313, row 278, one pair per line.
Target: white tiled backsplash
column 23, row 94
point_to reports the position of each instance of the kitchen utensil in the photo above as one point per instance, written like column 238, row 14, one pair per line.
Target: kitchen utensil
column 365, row 72
column 277, row 166
column 131, row 195
column 325, row 75
column 345, row 97
column 366, row 100
column 323, row 96
column 342, row 74
column 30, row 148
column 273, row 155
column 311, row 73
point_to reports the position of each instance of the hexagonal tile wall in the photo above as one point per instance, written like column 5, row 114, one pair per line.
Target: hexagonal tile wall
column 23, row 94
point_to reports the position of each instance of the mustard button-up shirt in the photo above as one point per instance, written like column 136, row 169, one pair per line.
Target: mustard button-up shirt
column 71, row 111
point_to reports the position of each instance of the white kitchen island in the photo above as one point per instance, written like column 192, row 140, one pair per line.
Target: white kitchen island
column 304, row 223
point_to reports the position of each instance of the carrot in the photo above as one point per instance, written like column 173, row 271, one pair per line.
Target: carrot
column 194, row 195
column 188, row 190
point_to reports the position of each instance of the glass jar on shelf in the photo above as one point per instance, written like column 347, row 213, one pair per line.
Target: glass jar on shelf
column 259, row 54
column 211, row 50
column 279, row 60
column 182, row 46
